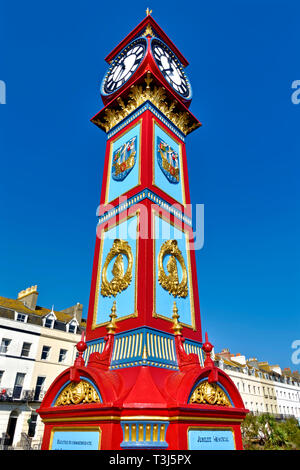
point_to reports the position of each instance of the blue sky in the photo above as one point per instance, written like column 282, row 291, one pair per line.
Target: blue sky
column 243, row 162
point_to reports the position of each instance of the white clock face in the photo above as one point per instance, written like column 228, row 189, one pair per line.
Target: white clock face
column 171, row 68
column 123, row 66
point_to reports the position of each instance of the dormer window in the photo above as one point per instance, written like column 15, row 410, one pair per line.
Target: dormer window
column 72, row 326
column 49, row 320
column 22, row 317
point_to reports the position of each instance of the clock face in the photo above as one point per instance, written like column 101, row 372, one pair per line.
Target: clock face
column 123, row 66
column 171, row 68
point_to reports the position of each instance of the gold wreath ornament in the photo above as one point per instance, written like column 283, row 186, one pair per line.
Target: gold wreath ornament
column 209, row 394
column 120, row 279
column 76, row 393
column 171, row 282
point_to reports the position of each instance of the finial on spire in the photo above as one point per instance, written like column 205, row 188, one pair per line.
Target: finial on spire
column 148, row 12
column 111, row 326
column 81, row 347
column 176, row 325
column 207, row 347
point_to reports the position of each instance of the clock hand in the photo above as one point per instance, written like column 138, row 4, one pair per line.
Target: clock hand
column 122, row 65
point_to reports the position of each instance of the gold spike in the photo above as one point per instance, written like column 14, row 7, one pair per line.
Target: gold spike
column 111, row 326
column 176, row 325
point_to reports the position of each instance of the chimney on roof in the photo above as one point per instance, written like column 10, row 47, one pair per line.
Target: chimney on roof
column 225, row 353
column 29, row 297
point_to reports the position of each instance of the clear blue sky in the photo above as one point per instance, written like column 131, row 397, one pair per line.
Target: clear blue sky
column 243, row 162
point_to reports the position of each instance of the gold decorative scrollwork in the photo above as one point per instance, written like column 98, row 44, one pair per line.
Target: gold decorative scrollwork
column 138, row 95
column 171, row 282
column 120, row 279
column 209, row 394
column 76, row 393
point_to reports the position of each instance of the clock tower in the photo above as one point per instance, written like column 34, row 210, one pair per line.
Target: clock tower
column 143, row 377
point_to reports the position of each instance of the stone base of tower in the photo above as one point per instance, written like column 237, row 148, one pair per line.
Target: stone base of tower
column 92, row 407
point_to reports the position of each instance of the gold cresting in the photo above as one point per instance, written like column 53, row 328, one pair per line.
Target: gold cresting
column 209, row 394
column 120, row 279
column 76, row 393
column 171, row 282
column 138, row 95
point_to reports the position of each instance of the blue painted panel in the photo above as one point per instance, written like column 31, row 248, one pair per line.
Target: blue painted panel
column 163, row 299
column 75, row 440
column 210, row 439
column 117, row 188
column 125, row 300
column 160, row 178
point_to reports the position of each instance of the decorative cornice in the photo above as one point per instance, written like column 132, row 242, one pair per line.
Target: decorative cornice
column 138, row 95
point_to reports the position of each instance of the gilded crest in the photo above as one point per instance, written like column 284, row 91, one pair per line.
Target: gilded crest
column 209, row 394
column 76, row 393
column 170, row 282
column 168, row 161
column 124, row 159
column 121, row 279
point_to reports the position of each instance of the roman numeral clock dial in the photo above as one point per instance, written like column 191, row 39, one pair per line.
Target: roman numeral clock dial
column 123, row 66
column 171, row 68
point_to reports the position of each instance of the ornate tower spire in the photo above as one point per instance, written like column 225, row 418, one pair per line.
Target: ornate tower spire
column 139, row 380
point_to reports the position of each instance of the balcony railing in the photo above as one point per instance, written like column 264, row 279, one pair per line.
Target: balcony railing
column 18, row 394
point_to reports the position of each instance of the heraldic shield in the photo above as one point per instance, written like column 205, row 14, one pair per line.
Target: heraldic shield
column 124, row 159
column 168, row 161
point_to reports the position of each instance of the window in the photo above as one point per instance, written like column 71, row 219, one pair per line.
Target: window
column 72, row 327
column 21, row 317
column 38, row 387
column 25, row 349
column 45, row 352
column 49, row 321
column 32, row 424
column 18, row 385
column 62, row 355
column 1, row 375
column 4, row 345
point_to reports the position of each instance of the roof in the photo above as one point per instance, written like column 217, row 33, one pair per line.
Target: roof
column 262, row 367
column 18, row 306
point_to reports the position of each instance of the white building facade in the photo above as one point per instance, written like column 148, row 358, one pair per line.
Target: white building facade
column 36, row 345
column 264, row 388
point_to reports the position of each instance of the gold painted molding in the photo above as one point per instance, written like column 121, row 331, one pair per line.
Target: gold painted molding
column 138, row 95
column 76, row 393
column 209, row 394
column 171, row 282
column 120, row 280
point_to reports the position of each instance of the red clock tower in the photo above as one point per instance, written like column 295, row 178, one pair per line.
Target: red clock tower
column 143, row 378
